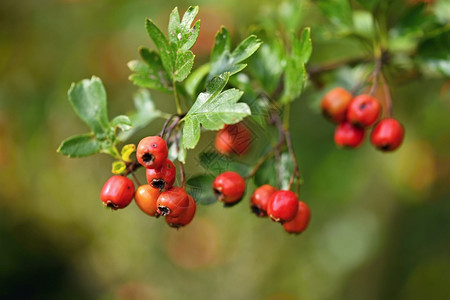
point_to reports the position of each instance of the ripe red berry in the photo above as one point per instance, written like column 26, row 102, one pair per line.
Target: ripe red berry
column 282, row 206
column 229, row 188
column 335, row 103
column 347, row 135
column 173, row 202
column 387, row 135
column 185, row 218
column 300, row 221
column 234, row 138
column 152, row 152
column 162, row 178
column 363, row 111
column 145, row 198
column 260, row 198
column 117, row 192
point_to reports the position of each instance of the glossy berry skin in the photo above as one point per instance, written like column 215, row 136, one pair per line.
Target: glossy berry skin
column 152, row 152
column 387, row 135
column 260, row 198
column 162, row 178
column 300, row 221
column 234, row 138
column 229, row 187
column 146, row 197
column 172, row 202
column 347, row 135
column 185, row 218
column 363, row 111
column 335, row 103
column 282, row 206
column 117, row 192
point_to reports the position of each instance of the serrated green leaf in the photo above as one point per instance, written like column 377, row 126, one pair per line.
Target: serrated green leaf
column 88, row 99
column 79, row 145
column 213, row 109
column 338, row 11
column 303, row 48
column 144, row 114
column 122, row 122
column 165, row 51
column 200, row 188
column 223, row 60
column 180, row 33
column 194, row 80
column 150, row 73
column 183, row 65
column 118, row 167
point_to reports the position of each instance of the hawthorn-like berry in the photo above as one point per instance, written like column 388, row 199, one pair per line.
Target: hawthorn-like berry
column 260, row 198
column 162, row 178
column 172, row 202
column 185, row 217
column 152, row 152
column 117, row 192
column 300, row 221
column 387, row 135
column 335, row 103
column 347, row 135
column 363, row 111
column 229, row 187
column 282, row 206
column 234, row 138
column 146, row 197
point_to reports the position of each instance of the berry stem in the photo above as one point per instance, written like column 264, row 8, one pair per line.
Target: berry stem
column 376, row 75
column 387, row 95
column 296, row 172
column 177, row 98
column 260, row 162
column 135, row 178
column 166, row 123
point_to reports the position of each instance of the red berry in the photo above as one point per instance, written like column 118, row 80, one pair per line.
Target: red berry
column 387, row 135
column 152, row 152
column 300, row 221
column 335, row 103
column 146, row 197
column 260, row 198
column 347, row 135
column 117, row 192
column 282, row 206
column 229, row 187
column 363, row 111
column 172, row 202
column 185, row 218
column 162, row 178
column 234, row 138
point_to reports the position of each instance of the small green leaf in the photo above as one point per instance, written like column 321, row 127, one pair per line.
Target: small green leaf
column 150, row 73
column 213, row 109
column 183, row 65
column 79, row 146
column 338, row 11
column 118, row 167
column 88, row 99
column 122, row 122
column 180, row 33
column 200, row 188
column 223, row 60
column 126, row 151
column 165, row 51
column 193, row 82
column 303, row 48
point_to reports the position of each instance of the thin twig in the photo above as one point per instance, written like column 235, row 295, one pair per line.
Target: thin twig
column 166, row 123
column 387, row 95
column 135, row 178
column 376, row 74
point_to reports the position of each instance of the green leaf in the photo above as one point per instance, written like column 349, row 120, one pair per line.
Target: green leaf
column 223, row 60
column 122, row 122
column 338, row 11
column 79, row 145
column 150, row 73
column 213, row 109
column 266, row 174
column 88, row 99
column 200, row 188
column 180, row 33
column 193, row 82
column 368, row 4
column 165, row 51
column 183, row 65
column 295, row 72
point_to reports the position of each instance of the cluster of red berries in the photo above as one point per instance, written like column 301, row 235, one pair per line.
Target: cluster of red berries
column 354, row 114
column 157, row 198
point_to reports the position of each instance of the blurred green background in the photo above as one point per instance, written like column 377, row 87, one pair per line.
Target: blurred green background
column 380, row 222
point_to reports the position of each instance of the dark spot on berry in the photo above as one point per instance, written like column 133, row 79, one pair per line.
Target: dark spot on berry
column 217, row 193
column 362, row 106
column 158, row 183
column 163, row 211
column 154, row 145
column 111, row 205
column 257, row 211
column 385, row 147
column 147, row 157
